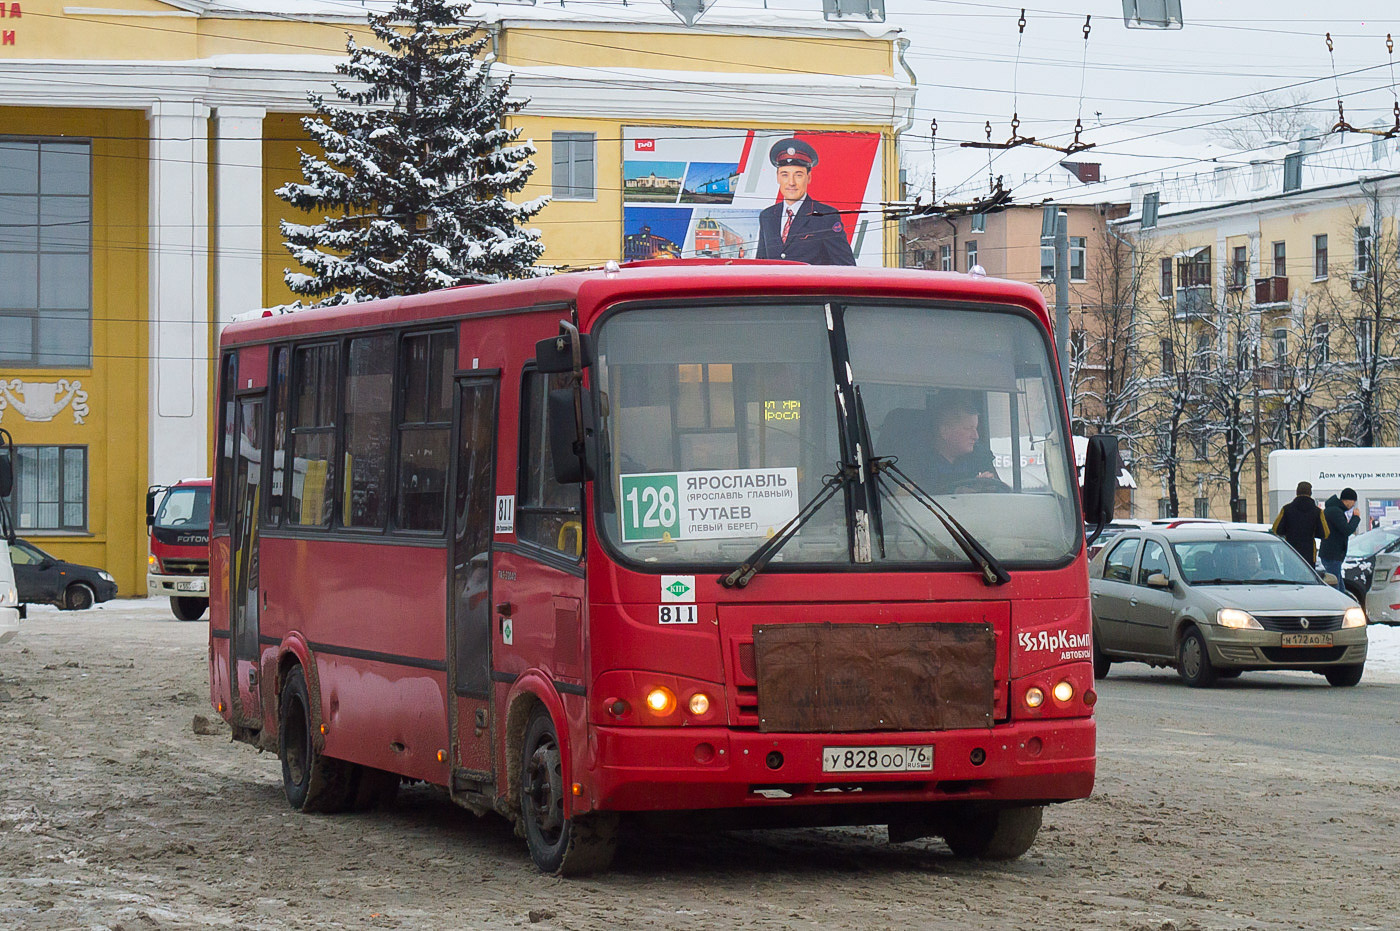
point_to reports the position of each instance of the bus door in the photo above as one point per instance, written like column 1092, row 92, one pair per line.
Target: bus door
column 469, row 610
column 244, row 510
column 540, row 587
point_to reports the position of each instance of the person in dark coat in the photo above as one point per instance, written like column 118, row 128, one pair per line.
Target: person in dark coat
column 1334, row 549
column 1300, row 522
column 798, row 228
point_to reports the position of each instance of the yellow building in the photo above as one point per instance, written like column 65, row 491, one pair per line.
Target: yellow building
column 141, row 142
column 1272, row 280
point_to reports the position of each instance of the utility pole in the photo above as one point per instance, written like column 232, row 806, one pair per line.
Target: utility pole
column 1258, row 454
column 1062, row 296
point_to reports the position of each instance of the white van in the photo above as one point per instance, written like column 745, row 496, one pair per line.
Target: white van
column 9, row 596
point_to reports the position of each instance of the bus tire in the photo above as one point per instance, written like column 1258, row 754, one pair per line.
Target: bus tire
column 189, row 609
column 374, row 788
column 563, row 846
column 1102, row 663
column 993, row 833
column 312, row 782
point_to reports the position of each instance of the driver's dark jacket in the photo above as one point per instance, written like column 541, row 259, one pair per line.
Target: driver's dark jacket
column 1300, row 522
column 940, row 476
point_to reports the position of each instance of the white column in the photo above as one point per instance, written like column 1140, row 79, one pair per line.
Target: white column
column 179, row 291
column 238, row 211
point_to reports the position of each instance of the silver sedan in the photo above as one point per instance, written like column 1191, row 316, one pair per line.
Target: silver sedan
column 1215, row 602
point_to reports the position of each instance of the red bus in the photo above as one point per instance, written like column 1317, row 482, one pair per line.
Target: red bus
column 684, row 539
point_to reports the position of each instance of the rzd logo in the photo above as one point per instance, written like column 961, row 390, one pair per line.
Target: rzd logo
column 645, row 145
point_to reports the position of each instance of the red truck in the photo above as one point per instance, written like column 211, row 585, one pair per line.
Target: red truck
column 177, row 518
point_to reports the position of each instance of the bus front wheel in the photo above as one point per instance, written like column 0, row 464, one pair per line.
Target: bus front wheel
column 566, row 846
column 993, row 834
column 312, row 782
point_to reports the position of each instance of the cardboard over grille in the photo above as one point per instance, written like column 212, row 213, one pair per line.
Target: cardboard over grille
column 831, row 678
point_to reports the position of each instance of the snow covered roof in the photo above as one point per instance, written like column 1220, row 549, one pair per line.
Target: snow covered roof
column 747, row 15
column 1259, row 174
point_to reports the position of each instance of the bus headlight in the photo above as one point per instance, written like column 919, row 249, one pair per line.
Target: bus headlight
column 1034, row 697
column 699, row 703
column 1355, row 617
column 1063, row 691
column 1237, row 619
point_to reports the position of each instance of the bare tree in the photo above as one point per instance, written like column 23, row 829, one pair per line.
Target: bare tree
column 1366, row 312
column 1300, row 373
column 1107, row 381
column 1227, row 387
column 1271, row 114
column 1174, row 406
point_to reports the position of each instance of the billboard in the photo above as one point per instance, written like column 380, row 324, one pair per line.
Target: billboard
column 741, row 194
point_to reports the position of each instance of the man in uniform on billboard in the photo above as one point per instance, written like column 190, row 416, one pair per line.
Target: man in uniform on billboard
column 798, row 228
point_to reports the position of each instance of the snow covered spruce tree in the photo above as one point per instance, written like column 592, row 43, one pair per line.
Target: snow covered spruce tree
column 418, row 167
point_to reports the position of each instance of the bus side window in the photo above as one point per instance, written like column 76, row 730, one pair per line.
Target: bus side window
column 276, row 495
column 544, row 507
column 224, row 454
column 425, row 430
column 313, row 436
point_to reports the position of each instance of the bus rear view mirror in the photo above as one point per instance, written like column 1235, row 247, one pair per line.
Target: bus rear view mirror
column 570, row 351
column 571, row 435
column 1100, row 480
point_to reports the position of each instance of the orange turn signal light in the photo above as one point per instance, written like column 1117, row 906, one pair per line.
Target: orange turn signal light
column 661, row 701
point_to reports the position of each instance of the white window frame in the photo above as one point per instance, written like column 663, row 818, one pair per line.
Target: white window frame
column 1078, row 267
column 566, row 153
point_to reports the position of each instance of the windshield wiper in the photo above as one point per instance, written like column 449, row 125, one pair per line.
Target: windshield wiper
column 769, row 548
column 993, row 572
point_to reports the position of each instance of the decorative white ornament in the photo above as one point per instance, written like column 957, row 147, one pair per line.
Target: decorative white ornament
column 42, row 401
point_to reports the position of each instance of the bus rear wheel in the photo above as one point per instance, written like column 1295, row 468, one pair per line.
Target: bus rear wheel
column 995, row 833
column 189, row 609
column 558, row 844
column 312, row 782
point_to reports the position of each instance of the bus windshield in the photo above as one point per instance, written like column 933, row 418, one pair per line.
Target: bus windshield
column 184, row 508
column 720, row 423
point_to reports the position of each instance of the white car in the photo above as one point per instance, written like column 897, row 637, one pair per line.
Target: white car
column 9, row 596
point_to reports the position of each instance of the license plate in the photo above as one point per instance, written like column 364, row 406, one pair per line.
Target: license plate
column 195, row 586
column 1307, row 640
column 877, row 759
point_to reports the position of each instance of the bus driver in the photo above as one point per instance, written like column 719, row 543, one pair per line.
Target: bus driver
column 946, row 434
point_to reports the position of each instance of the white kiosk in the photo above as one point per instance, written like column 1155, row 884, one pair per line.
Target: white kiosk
column 1373, row 471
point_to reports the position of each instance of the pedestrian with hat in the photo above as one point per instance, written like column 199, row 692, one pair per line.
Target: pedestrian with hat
column 1300, row 522
column 798, row 228
column 1334, row 549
